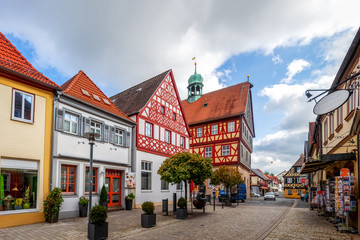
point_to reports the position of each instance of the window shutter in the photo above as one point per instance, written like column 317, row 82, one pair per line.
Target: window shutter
column 80, row 129
column 112, row 135
column 87, row 125
column 127, row 141
column 106, row 133
column 59, row 119
column 102, row 137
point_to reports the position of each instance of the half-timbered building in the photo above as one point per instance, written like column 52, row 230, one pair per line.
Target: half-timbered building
column 161, row 132
column 292, row 180
column 221, row 125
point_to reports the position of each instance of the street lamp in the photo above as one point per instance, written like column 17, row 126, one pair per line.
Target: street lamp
column 91, row 136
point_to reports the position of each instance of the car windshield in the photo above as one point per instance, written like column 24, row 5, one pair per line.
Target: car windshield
column 269, row 193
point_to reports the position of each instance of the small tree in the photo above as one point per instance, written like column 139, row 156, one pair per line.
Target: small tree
column 185, row 166
column 229, row 176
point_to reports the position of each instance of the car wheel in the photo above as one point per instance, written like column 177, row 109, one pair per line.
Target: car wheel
column 274, row 199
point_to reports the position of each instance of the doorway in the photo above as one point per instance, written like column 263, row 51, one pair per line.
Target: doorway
column 113, row 187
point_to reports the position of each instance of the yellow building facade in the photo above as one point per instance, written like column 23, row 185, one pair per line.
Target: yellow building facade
column 26, row 119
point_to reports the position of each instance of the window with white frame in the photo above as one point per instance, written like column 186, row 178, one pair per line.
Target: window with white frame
column 71, row 123
column 182, row 142
column 226, row 150
column 289, row 180
column 96, row 128
column 119, row 136
column 146, row 175
column 149, row 129
column 231, row 126
column 352, row 100
column 22, row 106
column 339, row 116
column 167, row 136
column 208, row 152
column 214, row 129
column 178, row 186
column 199, row 132
column 164, row 185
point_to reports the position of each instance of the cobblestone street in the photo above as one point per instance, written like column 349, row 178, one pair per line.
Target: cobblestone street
column 254, row 219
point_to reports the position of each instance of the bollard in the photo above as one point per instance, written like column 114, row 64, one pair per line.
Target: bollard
column 214, row 202
column 174, row 203
column 208, row 198
column 165, row 206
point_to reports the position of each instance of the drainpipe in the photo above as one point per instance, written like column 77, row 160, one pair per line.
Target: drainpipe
column 133, row 149
column 57, row 96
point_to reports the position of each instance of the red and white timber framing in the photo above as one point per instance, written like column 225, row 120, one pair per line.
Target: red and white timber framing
column 163, row 111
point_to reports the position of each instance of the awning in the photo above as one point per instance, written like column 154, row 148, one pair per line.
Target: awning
column 263, row 187
column 326, row 160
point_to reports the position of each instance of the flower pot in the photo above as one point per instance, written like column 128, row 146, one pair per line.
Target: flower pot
column 83, row 210
column 148, row 220
column 26, row 205
column 128, row 204
column 181, row 213
column 105, row 204
column 55, row 218
column 97, row 231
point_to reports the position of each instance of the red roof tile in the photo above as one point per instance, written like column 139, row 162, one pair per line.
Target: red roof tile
column 75, row 86
column 300, row 161
column 12, row 59
column 223, row 103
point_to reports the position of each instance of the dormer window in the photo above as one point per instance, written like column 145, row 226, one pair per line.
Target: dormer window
column 85, row 92
column 96, row 97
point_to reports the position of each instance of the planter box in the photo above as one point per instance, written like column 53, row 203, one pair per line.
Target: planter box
column 148, row 220
column 97, row 231
column 181, row 213
column 55, row 220
column 83, row 210
column 128, row 204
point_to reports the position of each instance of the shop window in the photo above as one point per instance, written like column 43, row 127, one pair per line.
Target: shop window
column 22, row 106
column 164, row 185
column 146, row 175
column 94, row 179
column 289, row 191
column 299, row 192
column 68, row 179
column 18, row 184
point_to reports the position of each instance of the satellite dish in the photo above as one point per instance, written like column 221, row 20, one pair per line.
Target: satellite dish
column 331, row 102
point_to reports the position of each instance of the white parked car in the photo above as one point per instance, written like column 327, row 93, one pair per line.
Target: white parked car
column 269, row 195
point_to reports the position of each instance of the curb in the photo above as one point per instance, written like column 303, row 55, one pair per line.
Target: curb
column 272, row 227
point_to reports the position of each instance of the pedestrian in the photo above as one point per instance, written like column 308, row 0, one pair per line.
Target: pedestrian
column 306, row 197
column 302, row 196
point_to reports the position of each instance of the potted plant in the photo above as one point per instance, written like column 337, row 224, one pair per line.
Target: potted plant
column 98, row 227
column 129, row 201
column 52, row 205
column 26, row 200
column 148, row 218
column 181, row 212
column 104, row 197
column 83, row 206
column 7, row 201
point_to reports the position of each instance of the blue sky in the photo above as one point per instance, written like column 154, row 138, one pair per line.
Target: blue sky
column 285, row 49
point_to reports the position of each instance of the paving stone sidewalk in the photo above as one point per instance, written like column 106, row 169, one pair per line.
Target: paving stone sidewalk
column 302, row 223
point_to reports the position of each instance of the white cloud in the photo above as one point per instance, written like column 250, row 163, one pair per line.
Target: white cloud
column 277, row 59
column 295, row 67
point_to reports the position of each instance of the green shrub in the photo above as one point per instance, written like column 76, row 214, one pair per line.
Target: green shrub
column 98, row 214
column 130, row 196
column 103, row 194
column 52, row 204
column 83, row 201
column 181, row 202
column 148, row 207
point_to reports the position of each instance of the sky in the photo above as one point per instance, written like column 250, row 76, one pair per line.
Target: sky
column 286, row 47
